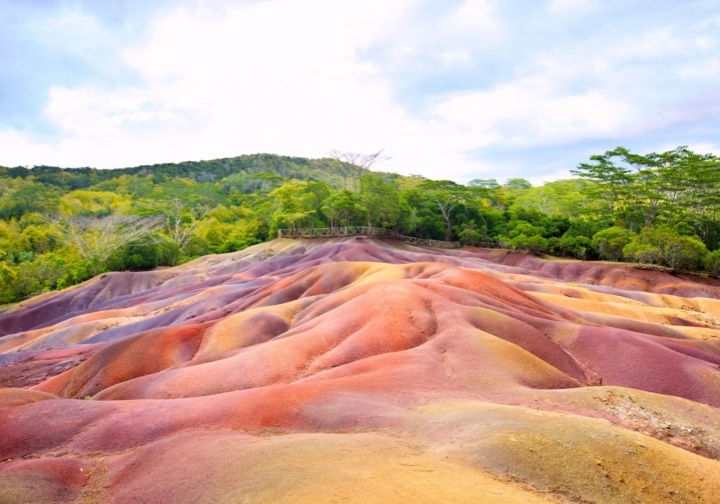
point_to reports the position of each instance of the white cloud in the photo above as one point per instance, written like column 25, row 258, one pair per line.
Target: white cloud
column 570, row 7
column 529, row 113
column 221, row 78
column 263, row 77
column 474, row 15
column 703, row 148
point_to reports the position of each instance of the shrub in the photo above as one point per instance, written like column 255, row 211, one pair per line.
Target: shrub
column 666, row 248
column 610, row 242
column 712, row 263
column 533, row 244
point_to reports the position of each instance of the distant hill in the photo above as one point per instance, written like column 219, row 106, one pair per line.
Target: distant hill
column 326, row 170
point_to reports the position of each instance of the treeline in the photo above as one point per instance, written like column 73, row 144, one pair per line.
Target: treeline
column 333, row 171
column 59, row 226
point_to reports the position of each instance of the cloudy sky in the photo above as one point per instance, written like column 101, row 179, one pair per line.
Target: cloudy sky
column 456, row 89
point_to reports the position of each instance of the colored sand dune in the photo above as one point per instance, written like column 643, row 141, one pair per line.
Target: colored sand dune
column 359, row 370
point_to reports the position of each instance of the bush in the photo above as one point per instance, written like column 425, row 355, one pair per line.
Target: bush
column 533, row 244
column 610, row 242
column 666, row 248
column 236, row 243
column 146, row 253
column 579, row 247
column 8, row 277
column 711, row 263
column 519, row 227
column 642, row 253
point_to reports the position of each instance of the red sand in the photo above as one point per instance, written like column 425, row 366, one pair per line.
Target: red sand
column 497, row 376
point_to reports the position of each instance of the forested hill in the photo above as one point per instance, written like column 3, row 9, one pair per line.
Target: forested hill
column 329, row 170
column 60, row 226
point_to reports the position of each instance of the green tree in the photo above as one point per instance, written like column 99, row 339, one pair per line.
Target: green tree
column 93, row 203
column 296, row 204
column 517, row 184
column 448, row 196
column 147, row 252
column 568, row 198
column 666, row 248
column 534, row 244
column 711, row 262
column 343, row 208
column 610, row 181
column 8, row 284
column 382, row 200
column 29, row 197
column 610, row 242
column 579, row 247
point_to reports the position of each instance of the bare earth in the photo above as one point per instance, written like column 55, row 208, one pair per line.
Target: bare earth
column 364, row 371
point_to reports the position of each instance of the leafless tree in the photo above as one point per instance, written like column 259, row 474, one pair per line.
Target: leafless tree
column 98, row 238
column 355, row 164
column 179, row 227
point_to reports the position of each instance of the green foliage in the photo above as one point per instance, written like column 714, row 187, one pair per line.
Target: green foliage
column 29, row 197
column 148, row 252
column 343, row 208
column 236, row 243
column 579, row 247
column 711, row 262
column 654, row 189
column 521, row 227
column 41, row 273
column 93, row 203
column 54, row 232
column 534, row 244
column 610, row 242
column 383, row 202
column 471, row 234
column 451, row 200
column 96, row 240
column 666, row 248
column 8, row 279
column 567, row 198
column 296, row 205
column 517, row 184
column 642, row 253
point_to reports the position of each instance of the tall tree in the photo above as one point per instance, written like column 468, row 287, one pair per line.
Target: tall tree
column 343, row 208
column 382, row 200
column 611, row 181
column 297, row 204
column 448, row 196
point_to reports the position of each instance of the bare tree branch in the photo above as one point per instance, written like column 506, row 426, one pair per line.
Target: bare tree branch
column 97, row 239
column 182, row 232
column 355, row 164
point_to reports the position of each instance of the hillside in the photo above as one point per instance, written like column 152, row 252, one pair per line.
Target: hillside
column 359, row 370
column 322, row 170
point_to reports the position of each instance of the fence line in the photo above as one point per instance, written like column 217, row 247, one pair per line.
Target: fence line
column 336, row 232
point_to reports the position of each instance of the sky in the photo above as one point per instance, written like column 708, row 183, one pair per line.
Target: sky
column 452, row 89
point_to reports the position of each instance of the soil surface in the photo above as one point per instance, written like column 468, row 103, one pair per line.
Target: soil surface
column 364, row 371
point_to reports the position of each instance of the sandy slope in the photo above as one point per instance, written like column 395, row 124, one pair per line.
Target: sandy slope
column 364, row 371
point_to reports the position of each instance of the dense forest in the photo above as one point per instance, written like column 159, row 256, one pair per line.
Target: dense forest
column 59, row 227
